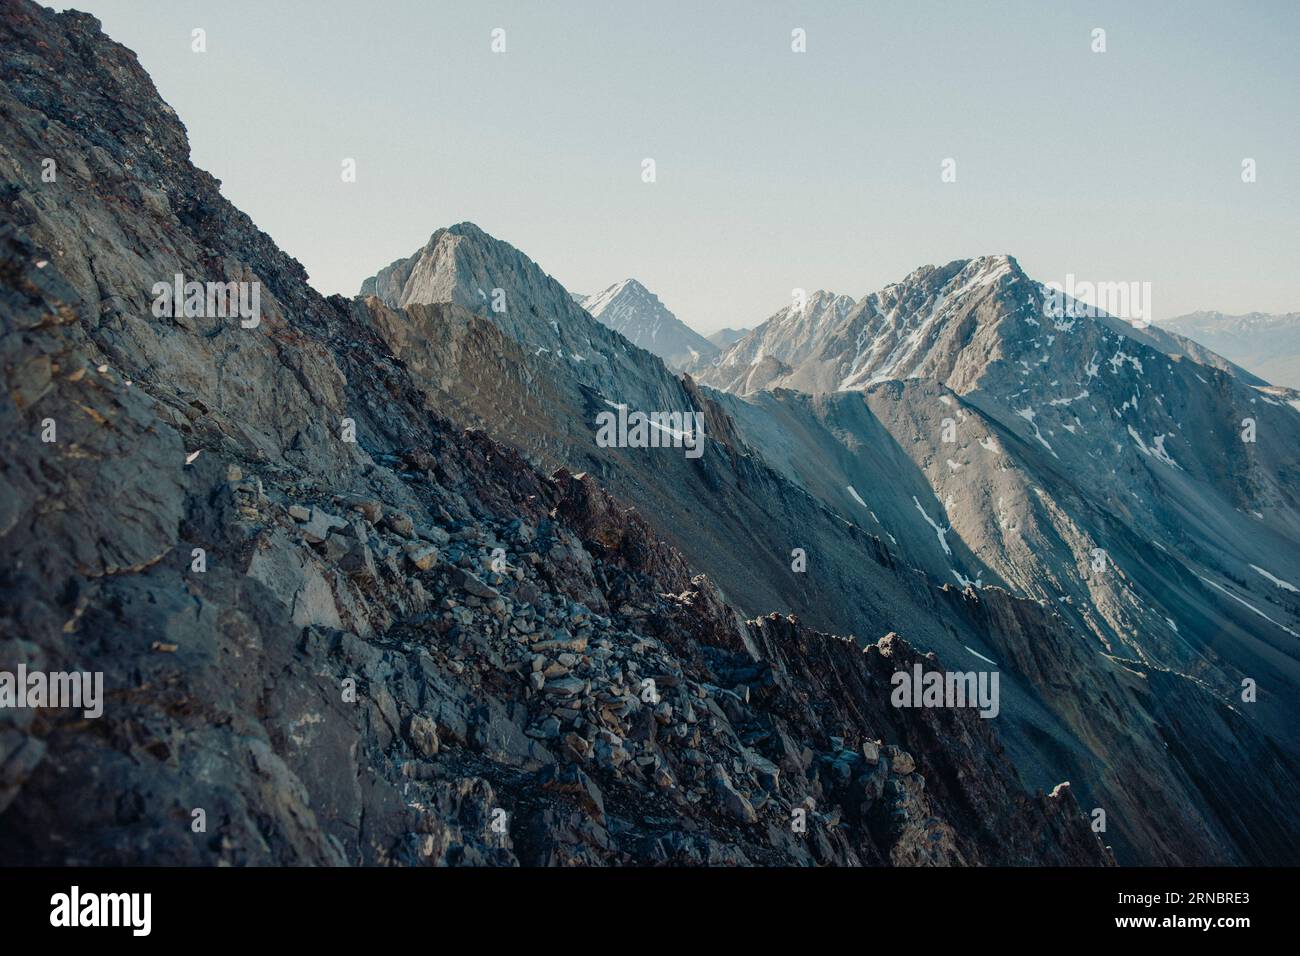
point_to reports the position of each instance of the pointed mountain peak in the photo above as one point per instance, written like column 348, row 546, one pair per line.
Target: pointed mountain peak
column 462, row 264
column 834, row 342
column 629, row 290
column 1001, row 259
column 459, row 231
column 462, row 230
column 467, row 228
column 992, row 267
column 631, row 309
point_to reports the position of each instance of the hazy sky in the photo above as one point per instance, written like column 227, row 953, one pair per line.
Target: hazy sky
column 775, row 169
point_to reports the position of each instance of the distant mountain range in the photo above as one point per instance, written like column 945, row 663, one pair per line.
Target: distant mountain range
column 725, row 337
column 1267, row 345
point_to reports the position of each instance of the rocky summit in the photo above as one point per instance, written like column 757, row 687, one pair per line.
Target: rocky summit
column 361, row 587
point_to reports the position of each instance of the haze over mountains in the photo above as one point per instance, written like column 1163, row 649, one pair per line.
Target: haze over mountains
column 404, row 490
column 1267, row 345
column 725, row 337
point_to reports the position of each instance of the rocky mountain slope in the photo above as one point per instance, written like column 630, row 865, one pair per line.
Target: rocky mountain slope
column 635, row 312
column 1118, row 418
column 336, row 627
column 1145, row 491
column 861, row 487
column 1266, row 345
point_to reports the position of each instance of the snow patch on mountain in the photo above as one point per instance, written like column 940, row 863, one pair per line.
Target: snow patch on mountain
column 1248, row 604
column 1286, row 585
column 940, row 531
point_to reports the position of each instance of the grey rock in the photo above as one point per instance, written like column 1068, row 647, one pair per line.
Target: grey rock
column 319, row 525
column 466, row 581
column 400, row 523
column 731, row 801
column 422, row 557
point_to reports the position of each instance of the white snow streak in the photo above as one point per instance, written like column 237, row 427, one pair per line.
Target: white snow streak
column 1248, row 604
column 1278, row 581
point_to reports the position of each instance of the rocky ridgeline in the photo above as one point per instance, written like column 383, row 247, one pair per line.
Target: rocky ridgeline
column 518, row 645
column 411, row 648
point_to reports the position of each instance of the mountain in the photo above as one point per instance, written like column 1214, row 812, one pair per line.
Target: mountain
column 1092, row 411
column 1009, row 513
column 1025, row 443
column 642, row 657
column 1267, row 345
column 631, row 309
column 723, row 338
column 352, row 631
column 459, row 266
column 789, row 336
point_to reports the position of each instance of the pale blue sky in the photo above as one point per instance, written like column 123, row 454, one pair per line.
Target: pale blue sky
column 775, row 169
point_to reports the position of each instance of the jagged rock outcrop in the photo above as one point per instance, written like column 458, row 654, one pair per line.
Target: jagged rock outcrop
column 335, row 628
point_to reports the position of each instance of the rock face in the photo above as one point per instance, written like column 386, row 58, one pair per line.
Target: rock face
column 636, row 313
column 337, row 628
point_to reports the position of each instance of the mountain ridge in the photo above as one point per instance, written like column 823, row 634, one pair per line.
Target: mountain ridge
column 988, row 292
column 485, row 686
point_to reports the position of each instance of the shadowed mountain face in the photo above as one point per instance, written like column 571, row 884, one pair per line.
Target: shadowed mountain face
column 635, row 312
column 1267, row 345
column 361, row 576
